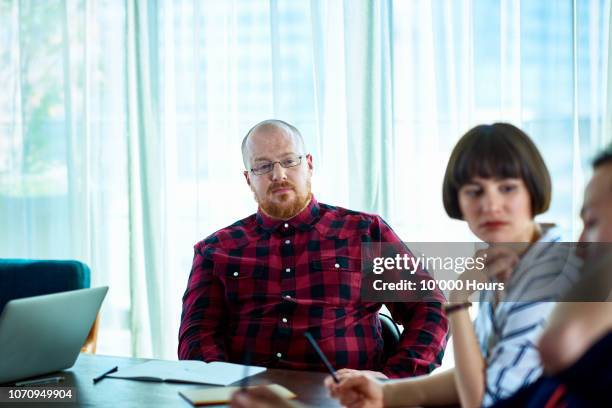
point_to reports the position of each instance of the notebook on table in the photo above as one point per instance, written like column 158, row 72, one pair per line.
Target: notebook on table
column 186, row 371
column 222, row 395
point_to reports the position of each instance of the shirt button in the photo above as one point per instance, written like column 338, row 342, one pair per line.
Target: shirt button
column 286, row 225
column 235, row 273
column 285, row 320
column 279, row 355
column 337, row 266
column 287, row 242
column 288, row 270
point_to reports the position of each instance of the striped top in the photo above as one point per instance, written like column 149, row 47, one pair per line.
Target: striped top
column 508, row 334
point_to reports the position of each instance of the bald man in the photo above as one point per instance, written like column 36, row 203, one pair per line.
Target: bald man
column 294, row 266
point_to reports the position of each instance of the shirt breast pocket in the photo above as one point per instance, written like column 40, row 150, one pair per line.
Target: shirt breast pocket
column 242, row 279
column 335, row 280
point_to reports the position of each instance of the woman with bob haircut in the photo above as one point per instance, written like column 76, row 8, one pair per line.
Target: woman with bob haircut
column 497, row 182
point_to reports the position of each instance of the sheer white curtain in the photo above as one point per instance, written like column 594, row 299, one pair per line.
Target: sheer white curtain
column 539, row 65
column 121, row 122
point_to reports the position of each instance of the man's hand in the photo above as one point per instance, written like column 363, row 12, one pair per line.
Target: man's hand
column 260, row 397
column 356, row 389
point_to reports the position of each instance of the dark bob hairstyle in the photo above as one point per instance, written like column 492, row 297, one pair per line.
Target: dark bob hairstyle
column 496, row 151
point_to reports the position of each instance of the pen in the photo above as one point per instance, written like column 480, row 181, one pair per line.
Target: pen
column 101, row 377
column 324, row 359
column 48, row 380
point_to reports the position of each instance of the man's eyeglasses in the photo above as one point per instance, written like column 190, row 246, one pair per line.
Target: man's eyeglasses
column 264, row 168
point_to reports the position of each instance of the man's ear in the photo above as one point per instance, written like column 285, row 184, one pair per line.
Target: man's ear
column 246, row 177
column 309, row 161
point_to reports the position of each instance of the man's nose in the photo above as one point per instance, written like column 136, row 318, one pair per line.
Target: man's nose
column 278, row 172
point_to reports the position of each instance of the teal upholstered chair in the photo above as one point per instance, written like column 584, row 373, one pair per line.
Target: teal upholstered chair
column 25, row 277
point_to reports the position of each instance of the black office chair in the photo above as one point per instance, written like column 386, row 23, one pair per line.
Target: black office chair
column 390, row 333
column 21, row 278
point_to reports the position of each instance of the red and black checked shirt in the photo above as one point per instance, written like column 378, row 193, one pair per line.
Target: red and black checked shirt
column 260, row 283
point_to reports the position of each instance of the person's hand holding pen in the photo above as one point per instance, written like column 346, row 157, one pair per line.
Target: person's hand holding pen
column 353, row 388
column 356, row 389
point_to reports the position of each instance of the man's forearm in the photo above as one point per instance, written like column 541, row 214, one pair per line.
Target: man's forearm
column 422, row 341
column 194, row 348
column 572, row 329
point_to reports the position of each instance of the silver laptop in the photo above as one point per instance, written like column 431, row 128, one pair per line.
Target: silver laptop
column 42, row 334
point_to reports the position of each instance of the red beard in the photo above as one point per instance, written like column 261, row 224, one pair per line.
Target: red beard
column 284, row 209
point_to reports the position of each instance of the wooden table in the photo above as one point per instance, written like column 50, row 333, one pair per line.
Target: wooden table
column 118, row 393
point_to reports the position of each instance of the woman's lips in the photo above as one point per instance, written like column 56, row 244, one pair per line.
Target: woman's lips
column 493, row 224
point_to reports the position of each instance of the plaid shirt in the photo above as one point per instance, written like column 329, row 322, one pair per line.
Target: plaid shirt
column 260, row 283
